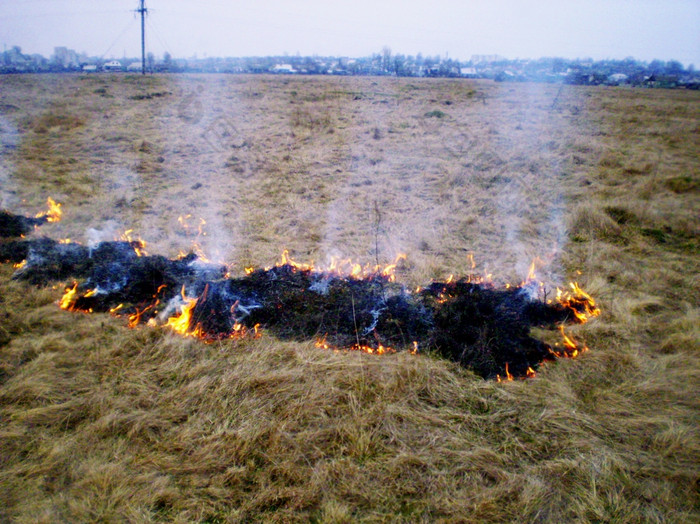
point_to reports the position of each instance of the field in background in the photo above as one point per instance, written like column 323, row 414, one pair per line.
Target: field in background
column 101, row 422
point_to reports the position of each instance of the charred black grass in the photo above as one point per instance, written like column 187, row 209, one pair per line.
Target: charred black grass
column 484, row 329
column 12, row 225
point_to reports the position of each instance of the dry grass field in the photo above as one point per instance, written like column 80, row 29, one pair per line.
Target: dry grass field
column 103, row 423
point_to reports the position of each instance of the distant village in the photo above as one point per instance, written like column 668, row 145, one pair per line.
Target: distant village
column 631, row 72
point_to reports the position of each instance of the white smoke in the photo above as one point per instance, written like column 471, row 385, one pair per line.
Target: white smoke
column 9, row 140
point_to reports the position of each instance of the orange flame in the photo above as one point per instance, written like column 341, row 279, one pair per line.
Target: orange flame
column 571, row 348
column 54, row 213
column 180, row 323
column 322, row 343
column 287, row 261
column 135, row 318
column 197, row 250
column 138, row 244
column 342, row 267
column 68, row 298
column 508, row 376
column 196, row 247
column 579, row 302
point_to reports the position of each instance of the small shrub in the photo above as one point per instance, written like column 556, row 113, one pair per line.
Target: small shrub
column 621, row 215
column 682, row 184
column 310, row 119
column 611, row 159
column 436, row 114
column 148, row 96
column 589, row 222
column 65, row 122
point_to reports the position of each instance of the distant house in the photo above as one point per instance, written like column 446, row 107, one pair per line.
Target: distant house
column 113, row 65
column 283, row 69
column 468, row 72
column 134, row 66
column 506, row 76
column 89, row 68
column 617, row 79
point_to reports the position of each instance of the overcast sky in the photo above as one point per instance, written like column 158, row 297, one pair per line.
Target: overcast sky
column 643, row 29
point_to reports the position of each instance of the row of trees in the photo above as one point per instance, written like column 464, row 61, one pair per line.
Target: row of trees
column 658, row 73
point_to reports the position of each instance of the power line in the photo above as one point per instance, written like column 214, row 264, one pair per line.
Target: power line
column 159, row 37
column 126, row 28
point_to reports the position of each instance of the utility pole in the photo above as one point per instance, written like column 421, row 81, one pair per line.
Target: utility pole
column 142, row 9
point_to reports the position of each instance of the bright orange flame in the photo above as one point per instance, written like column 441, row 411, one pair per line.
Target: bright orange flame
column 389, row 270
column 322, row 343
column 68, row 299
column 239, row 331
column 20, row 265
column 197, row 250
column 342, row 267
column 196, row 247
column 508, row 376
column 287, row 261
column 579, row 302
column 531, row 274
column 54, row 213
column 379, row 350
column 181, row 322
column 571, row 348
column 138, row 244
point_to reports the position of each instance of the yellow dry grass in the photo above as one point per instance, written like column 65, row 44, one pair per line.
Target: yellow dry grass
column 99, row 422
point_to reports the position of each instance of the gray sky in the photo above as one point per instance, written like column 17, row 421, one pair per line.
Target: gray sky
column 644, row 29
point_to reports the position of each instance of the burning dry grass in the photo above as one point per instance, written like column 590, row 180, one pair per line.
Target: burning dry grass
column 103, row 422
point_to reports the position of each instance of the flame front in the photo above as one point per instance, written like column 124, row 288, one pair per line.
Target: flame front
column 181, row 323
column 68, row 298
column 571, row 304
column 138, row 244
column 343, row 268
column 54, row 212
column 579, row 302
column 322, row 343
